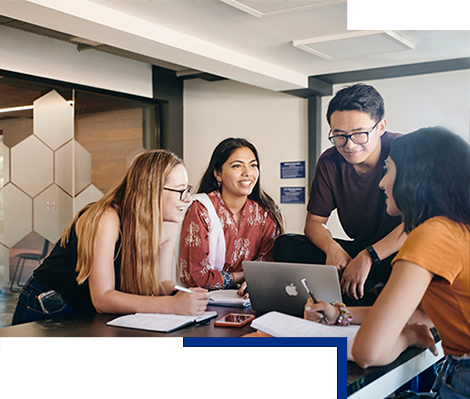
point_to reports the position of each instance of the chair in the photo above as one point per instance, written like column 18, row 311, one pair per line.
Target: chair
column 22, row 259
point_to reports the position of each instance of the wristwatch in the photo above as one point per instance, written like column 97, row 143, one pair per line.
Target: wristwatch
column 373, row 255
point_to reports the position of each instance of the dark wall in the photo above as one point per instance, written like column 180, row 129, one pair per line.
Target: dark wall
column 168, row 90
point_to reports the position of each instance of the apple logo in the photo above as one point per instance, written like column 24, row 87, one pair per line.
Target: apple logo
column 291, row 290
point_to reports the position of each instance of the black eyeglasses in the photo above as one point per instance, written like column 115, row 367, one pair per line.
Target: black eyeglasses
column 183, row 193
column 340, row 140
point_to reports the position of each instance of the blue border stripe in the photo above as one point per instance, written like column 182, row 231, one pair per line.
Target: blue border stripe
column 339, row 343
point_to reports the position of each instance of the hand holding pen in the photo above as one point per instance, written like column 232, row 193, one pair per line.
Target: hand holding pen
column 309, row 291
column 193, row 304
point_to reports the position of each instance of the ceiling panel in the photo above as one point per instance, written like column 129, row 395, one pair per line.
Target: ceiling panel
column 224, row 40
column 355, row 44
column 262, row 9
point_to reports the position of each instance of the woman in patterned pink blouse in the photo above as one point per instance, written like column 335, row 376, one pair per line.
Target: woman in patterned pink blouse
column 231, row 220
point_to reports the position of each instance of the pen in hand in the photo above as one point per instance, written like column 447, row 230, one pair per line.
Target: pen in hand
column 184, row 289
column 309, row 291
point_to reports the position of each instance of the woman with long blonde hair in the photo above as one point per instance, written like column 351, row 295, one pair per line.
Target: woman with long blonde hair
column 116, row 256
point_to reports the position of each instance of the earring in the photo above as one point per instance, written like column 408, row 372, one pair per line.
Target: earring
column 219, row 183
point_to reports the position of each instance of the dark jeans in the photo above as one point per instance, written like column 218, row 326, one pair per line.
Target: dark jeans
column 28, row 308
column 297, row 248
column 452, row 382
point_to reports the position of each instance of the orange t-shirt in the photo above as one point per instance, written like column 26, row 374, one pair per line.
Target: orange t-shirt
column 442, row 247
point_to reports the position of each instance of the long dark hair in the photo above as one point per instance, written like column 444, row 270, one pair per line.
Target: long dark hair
column 220, row 155
column 432, row 176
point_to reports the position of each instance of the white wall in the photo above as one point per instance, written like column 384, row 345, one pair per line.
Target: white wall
column 275, row 123
column 418, row 101
column 414, row 102
column 49, row 58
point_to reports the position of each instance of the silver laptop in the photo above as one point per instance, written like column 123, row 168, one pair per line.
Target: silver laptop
column 278, row 286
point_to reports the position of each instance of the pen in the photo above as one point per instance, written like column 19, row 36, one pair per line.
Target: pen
column 309, row 291
column 184, row 289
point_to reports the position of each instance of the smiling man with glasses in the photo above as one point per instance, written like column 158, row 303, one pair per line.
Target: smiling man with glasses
column 347, row 179
column 340, row 140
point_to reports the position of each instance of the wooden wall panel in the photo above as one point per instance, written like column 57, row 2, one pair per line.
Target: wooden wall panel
column 110, row 137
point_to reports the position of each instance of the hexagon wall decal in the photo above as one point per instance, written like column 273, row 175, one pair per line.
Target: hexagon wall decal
column 5, row 165
column 53, row 211
column 53, row 119
column 64, row 162
column 31, row 165
column 82, row 167
column 133, row 154
column 90, row 194
column 18, row 215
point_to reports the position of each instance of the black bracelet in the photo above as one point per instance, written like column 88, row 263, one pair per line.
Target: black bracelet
column 373, row 255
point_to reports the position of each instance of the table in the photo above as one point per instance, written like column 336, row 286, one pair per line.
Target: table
column 379, row 382
column 95, row 326
column 374, row 382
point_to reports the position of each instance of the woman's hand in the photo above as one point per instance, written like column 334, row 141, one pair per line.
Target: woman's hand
column 311, row 311
column 241, row 291
column 238, row 278
column 193, row 304
column 419, row 335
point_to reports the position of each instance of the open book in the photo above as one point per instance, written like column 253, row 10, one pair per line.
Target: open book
column 157, row 321
column 283, row 325
column 228, row 298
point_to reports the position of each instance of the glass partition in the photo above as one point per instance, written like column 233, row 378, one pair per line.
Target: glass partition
column 60, row 149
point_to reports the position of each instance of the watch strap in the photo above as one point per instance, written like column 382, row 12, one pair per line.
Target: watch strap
column 373, row 255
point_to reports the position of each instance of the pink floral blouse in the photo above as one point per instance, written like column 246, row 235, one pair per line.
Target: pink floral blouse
column 254, row 240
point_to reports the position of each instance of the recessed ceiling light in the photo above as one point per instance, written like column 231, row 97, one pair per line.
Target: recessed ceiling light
column 262, row 9
column 355, row 44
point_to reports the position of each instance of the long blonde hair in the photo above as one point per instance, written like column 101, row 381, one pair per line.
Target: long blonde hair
column 137, row 199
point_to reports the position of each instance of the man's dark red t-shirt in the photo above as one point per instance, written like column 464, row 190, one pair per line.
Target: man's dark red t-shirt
column 359, row 200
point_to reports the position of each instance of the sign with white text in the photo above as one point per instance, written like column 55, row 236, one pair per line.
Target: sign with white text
column 293, row 170
column 292, row 195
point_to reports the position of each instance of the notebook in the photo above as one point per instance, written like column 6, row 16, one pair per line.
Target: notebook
column 282, row 325
column 158, row 322
column 277, row 286
column 228, row 298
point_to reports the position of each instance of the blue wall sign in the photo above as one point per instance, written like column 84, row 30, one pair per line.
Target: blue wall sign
column 292, row 195
column 293, row 170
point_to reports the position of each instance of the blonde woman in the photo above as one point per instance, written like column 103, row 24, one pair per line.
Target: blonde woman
column 116, row 256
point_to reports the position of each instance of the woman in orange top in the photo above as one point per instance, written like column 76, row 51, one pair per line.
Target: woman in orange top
column 428, row 183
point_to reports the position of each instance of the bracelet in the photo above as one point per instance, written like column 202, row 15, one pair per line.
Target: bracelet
column 227, row 278
column 345, row 317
